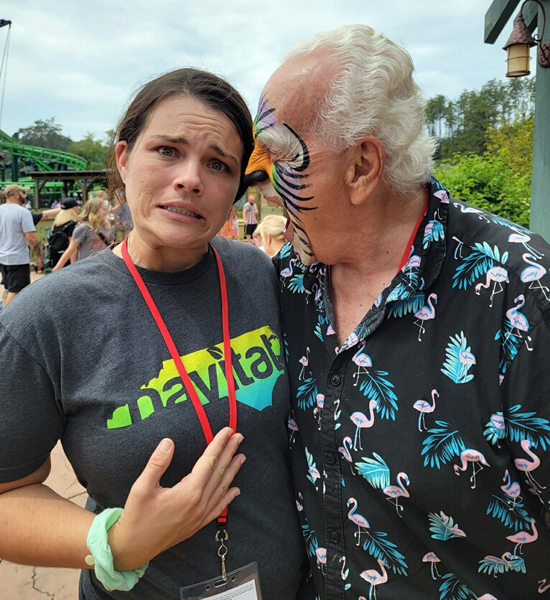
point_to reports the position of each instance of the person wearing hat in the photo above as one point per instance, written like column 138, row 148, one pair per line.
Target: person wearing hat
column 17, row 234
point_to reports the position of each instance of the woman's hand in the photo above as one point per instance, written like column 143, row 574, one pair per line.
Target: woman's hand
column 157, row 518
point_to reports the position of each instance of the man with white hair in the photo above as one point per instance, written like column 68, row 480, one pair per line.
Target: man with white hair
column 17, row 233
column 417, row 334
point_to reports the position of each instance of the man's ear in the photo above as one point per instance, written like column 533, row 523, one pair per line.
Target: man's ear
column 365, row 169
column 121, row 158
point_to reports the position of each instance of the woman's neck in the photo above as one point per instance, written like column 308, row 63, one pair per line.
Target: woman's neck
column 160, row 258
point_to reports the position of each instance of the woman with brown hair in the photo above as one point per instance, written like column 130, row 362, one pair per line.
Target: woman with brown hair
column 180, row 355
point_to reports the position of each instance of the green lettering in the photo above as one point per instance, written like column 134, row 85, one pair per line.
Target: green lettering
column 263, row 359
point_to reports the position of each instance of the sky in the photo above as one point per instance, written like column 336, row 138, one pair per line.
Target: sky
column 80, row 61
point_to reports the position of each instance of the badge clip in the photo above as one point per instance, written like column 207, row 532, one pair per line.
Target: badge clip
column 221, row 537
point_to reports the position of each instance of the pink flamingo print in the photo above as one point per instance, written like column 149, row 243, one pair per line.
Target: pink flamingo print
column 525, row 465
column 521, row 238
column 432, row 559
column 394, row 492
column 330, row 330
column 426, row 313
column 363, row 362
column 486, row 597
column 458, row 249
column 321, row 555
column 500, row 563
column 318, row 410
column 293, row 427
column 472, row 211
column 357, row 519
column 518, row 319
column 524, row 537
column 512, row 489
column 300, row 502
column 286, row 272
column 425, row 407
column 375, row 578
column 543, row 586
column 412, row 263
column 466, row 358
column 478, row 463
column 361, row 421
column 533, row 275
column 343, row 572
column 497, row 275
column 345, row 451
column 454, row 531
column 304, row 361
column 498, row 422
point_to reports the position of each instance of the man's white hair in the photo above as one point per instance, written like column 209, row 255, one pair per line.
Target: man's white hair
column 373, row 93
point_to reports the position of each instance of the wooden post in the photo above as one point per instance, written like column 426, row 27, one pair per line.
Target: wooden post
column 498, row 19
column 540, row 185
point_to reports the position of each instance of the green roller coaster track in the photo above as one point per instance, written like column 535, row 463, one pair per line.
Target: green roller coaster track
column 41, row 159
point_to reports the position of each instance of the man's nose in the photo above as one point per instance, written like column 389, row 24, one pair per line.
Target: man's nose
column 258, row 166
column 189, row 177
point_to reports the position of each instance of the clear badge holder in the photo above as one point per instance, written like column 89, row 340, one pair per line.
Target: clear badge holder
column 242, row 584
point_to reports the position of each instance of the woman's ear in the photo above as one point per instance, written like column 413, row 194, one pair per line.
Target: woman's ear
column 122, row 156
column 365, row 169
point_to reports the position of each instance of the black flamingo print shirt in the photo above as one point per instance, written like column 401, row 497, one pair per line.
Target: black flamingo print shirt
column 421, row 447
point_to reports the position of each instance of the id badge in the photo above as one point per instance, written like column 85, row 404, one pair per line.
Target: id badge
column 242, row 584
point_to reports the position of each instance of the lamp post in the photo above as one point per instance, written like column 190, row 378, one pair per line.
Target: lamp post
column 521, row 40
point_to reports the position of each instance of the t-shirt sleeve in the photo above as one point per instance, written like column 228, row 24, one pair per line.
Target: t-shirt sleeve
column 80, row 233
column 31, row 422
column 27, row 222
column 526, row 389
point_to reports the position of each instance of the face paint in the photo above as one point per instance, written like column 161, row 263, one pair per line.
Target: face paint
column 282, row 155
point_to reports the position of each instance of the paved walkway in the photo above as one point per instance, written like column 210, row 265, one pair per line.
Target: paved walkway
column 18, row 582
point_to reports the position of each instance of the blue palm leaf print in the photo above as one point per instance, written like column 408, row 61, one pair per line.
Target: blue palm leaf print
column 493, row 565
column 400, row 291
column 376, row 387
column 296, row 284
column 379, row 547
column 284, row 252
column 441, row 446
column 375, row 471
column 307, row 393
column 453, row 589
column 443, row 527
column 408, row 306
column 512, row 517
column 478, row 262
column 521, row 426
column 433, row 232
column 505, row 223
column 318, row 331
column 459, row 359
column 309, row 538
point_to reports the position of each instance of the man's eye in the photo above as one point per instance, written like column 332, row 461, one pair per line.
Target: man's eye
column 166, row 151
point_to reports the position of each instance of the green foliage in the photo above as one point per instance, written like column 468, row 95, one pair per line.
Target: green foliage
column 45, row 134
column 94, row 151
column 498, row 180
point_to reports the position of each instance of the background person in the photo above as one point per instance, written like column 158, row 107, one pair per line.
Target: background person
column 418, row 338
column 124, row 413
column 250, row 216
column 62, row 230
column 17, row 234
column 92, row 234
column 271, row 232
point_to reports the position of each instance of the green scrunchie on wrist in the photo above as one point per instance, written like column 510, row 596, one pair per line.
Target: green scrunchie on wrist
column 104, row 568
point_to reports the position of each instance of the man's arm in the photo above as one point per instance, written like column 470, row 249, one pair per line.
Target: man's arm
column 34, row 245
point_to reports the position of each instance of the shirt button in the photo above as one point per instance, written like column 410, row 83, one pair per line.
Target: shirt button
column 330, row 459
column 335, row 537
column 335, row 380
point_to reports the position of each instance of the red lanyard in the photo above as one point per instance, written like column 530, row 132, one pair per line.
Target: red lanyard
column 176, row 357
column 411, row 239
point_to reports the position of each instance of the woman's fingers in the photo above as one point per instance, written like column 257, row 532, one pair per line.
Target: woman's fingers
column 216, row 457
column 157, row 464
column 219, row 493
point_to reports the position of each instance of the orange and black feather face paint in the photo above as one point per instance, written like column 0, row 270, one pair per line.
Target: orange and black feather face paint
column 282, row 156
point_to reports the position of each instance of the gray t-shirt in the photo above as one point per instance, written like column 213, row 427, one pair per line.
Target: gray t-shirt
column 93, row 371
column 88, row 241
column 15, row 221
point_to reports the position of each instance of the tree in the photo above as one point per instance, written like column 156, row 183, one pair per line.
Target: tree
column 94, row 151
column 45, row 134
